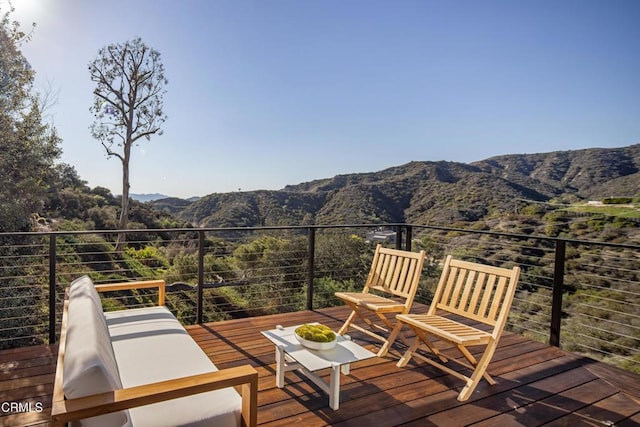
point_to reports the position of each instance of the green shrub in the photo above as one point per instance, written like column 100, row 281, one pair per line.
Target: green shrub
column 617, row 200
column 148, row 255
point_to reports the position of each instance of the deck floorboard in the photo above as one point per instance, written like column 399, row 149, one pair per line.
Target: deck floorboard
column 536, row 384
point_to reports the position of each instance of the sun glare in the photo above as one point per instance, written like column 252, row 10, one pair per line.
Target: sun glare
column 26, row 11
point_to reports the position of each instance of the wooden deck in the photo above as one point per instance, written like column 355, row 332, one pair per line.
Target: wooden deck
column 537, row 384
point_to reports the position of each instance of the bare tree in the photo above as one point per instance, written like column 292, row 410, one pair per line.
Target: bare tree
column 127, row 104
column 47, row 99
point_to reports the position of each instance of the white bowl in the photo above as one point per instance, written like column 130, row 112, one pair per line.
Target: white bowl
column 316, row 345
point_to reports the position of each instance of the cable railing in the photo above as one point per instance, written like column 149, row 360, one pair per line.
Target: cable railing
column 582, row 296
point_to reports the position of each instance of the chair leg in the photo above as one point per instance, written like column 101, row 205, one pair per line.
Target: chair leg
column 383, row 350
column 394, row 331
column 474, row 363
column 409, row 353
column 343, row 330
column 423, row 337
column 478, row 373
column 392, row 337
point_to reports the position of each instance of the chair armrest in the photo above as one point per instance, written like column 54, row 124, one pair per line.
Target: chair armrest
column 63, row 411
column 145, row 284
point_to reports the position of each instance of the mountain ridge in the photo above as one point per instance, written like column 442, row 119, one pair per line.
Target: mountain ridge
column 435, row 192
column 151, row 197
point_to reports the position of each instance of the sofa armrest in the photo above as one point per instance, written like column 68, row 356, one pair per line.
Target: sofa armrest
column 246, row 376
column 160, row 284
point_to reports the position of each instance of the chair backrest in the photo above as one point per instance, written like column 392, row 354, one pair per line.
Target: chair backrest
column 396, row 272
column 476, row 291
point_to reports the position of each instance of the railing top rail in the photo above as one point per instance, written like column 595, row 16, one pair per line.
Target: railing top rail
column 197, row 229
column 527, row 236
column 323, row 226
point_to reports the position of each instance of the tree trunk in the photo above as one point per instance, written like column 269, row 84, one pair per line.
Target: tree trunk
column 124, row 213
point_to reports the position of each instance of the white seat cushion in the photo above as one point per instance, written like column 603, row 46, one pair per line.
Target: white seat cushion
column 90, row 365
column 150, row 345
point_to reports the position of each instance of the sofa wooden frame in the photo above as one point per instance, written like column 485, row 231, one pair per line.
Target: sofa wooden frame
column 66, row 410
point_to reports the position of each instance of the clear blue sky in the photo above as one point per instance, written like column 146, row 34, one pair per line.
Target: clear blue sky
column 262, row 94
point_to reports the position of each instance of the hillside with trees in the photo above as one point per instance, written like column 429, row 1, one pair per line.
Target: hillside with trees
column 436, row 193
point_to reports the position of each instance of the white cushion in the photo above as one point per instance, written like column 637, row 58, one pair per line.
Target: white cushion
column 150, row 345
column 89, row 362
column 84, row 286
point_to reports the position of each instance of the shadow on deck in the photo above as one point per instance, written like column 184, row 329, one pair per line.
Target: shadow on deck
column 536, row 384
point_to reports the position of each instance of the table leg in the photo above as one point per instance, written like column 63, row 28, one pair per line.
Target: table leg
column 280, row 365
column 334, row 387
column 346, row 368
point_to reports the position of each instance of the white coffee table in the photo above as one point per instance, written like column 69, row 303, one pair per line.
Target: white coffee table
column 291, row 355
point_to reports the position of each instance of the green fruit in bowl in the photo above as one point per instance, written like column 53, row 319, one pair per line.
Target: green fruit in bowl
column 316, row 333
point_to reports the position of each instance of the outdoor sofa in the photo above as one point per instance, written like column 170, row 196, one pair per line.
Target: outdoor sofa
column 140, row 367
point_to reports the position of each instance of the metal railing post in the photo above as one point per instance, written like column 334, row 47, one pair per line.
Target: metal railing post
column 408, row 237
column 200, row 276
column 399, row 237
column 311, row 267
column 52, row 289
column 558, row 285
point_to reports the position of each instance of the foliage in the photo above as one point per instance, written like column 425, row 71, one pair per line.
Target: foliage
column 28, row 145
column 557, row 223
column 275, row 269
column 324, row 289
column 23, row 295
column 316, row 333
column 608, row 210
column 150, row 256
column 342, row 257
column 532, row 209
column 616, row 200
column 28, row 149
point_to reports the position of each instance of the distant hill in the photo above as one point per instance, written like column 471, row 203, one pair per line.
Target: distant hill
column 172, row 205
column 148, row 197
column 157, row 196
column 426, row 192
column 591, row 173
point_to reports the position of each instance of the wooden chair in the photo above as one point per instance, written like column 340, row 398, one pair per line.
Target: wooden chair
column 476, row 292
column 394, row 273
